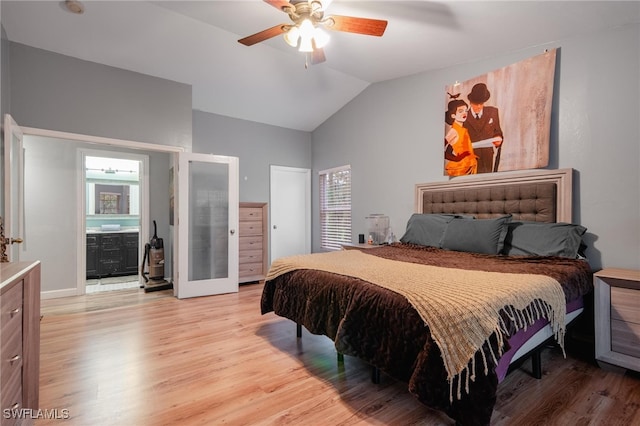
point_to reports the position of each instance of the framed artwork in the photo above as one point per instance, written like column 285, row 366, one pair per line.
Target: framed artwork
column 501, row 120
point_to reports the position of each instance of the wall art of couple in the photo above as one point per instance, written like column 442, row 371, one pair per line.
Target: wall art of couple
column 501, row 120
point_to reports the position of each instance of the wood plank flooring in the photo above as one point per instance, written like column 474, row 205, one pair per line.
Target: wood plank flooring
column 150, row 359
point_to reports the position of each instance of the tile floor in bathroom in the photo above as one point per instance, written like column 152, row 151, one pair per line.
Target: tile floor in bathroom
column 112, row 283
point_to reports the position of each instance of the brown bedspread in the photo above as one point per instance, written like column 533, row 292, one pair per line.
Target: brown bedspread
column 382, row 328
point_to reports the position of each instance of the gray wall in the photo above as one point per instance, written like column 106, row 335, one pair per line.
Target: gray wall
column 258, row 146
column 57, row 92
column 391, row 134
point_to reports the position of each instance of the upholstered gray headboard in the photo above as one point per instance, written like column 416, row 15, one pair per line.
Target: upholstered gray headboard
column 538, row 195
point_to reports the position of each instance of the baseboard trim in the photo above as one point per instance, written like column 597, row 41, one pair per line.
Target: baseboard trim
column 55, row 294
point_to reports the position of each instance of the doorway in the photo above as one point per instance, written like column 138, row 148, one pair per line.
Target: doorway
column 55, row 190
column 113, row 205
column 290, row 211
column 59, row 235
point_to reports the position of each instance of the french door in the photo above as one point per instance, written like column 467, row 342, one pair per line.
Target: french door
column 13, row 218
column 207, row 225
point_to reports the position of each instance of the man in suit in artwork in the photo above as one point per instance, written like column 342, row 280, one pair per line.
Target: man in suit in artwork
column 484, row 129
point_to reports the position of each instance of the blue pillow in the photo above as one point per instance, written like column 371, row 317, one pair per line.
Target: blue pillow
column 476, row 236
column 544, row 239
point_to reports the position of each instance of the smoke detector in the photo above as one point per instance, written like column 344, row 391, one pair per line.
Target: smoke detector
column 74, row 6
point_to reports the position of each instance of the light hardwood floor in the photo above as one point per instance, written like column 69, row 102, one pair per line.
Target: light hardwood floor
column 150, row 359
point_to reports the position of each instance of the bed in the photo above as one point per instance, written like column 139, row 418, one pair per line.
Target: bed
column 489, row 269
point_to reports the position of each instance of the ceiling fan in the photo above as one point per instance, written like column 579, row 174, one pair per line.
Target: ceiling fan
column 305, row 32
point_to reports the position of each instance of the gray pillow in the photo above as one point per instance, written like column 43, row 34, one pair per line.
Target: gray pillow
column 476, row 236
column 426, row 229
column 544, row 239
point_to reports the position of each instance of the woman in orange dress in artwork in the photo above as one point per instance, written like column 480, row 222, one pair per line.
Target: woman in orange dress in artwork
column 459, row 157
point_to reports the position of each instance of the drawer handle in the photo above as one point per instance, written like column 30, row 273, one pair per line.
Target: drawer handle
column 15, row 312
column 15, row 406
column 14, row 359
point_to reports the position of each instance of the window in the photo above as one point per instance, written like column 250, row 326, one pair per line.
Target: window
column 335, row 207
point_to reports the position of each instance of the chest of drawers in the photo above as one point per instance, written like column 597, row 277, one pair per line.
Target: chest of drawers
column 617, row 316
column 19, row 337
column 253, row 248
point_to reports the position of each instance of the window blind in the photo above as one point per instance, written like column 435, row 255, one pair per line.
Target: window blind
column 335, row 207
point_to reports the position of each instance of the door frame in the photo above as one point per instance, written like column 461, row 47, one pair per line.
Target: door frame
column 143, row 232
column 101, row 141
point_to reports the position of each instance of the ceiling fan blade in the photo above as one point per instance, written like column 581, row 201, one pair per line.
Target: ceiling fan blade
column 278, row 4
column 317, row 56
column 263, row 35
column 350, row 24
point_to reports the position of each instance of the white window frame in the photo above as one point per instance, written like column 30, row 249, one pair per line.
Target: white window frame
column 334, row 235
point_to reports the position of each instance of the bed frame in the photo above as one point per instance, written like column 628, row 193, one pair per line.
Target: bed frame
column 538, row 195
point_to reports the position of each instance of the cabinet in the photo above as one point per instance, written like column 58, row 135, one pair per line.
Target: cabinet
column 112, row 254
column 19, row 338
column 253, row 247
column 617, row 317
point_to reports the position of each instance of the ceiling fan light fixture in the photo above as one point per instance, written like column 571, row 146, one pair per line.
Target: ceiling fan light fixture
column 308, row 22
column 306, row 45
column 320, row 37
column 292, row 36
column 306, row 30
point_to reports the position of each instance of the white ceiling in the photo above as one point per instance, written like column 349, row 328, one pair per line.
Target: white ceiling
column 195, row 42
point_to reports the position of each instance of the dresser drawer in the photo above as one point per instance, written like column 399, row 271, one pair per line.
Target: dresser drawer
column 625, row 304
column 250, row 243
column 250, row 269
column 11, row 313
column 11, row 398
column 250, row 228
column 250, row 214
column 11, row 353
column 250, row 256
column 625, row 338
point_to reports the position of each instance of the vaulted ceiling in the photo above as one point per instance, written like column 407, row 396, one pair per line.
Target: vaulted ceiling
column 195, row 42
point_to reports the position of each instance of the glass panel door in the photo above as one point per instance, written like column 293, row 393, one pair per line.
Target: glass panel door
column 13, row 219
column 207, row 224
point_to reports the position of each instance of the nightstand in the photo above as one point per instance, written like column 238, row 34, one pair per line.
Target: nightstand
column 351, row 246
column 617, row 317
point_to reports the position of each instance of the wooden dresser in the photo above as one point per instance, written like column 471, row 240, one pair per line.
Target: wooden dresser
column 19, row 338
column 617, row 317
column 253, row 244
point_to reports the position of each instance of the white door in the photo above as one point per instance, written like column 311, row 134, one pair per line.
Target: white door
column 207, row 200
column 13, row 219
column 290, row 204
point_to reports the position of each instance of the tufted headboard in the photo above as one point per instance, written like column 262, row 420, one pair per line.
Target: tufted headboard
column 538, row 195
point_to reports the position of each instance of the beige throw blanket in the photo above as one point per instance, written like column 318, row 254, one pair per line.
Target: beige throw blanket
column 460, row 307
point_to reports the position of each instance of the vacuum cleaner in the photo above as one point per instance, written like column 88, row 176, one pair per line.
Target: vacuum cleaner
column 154, row 260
